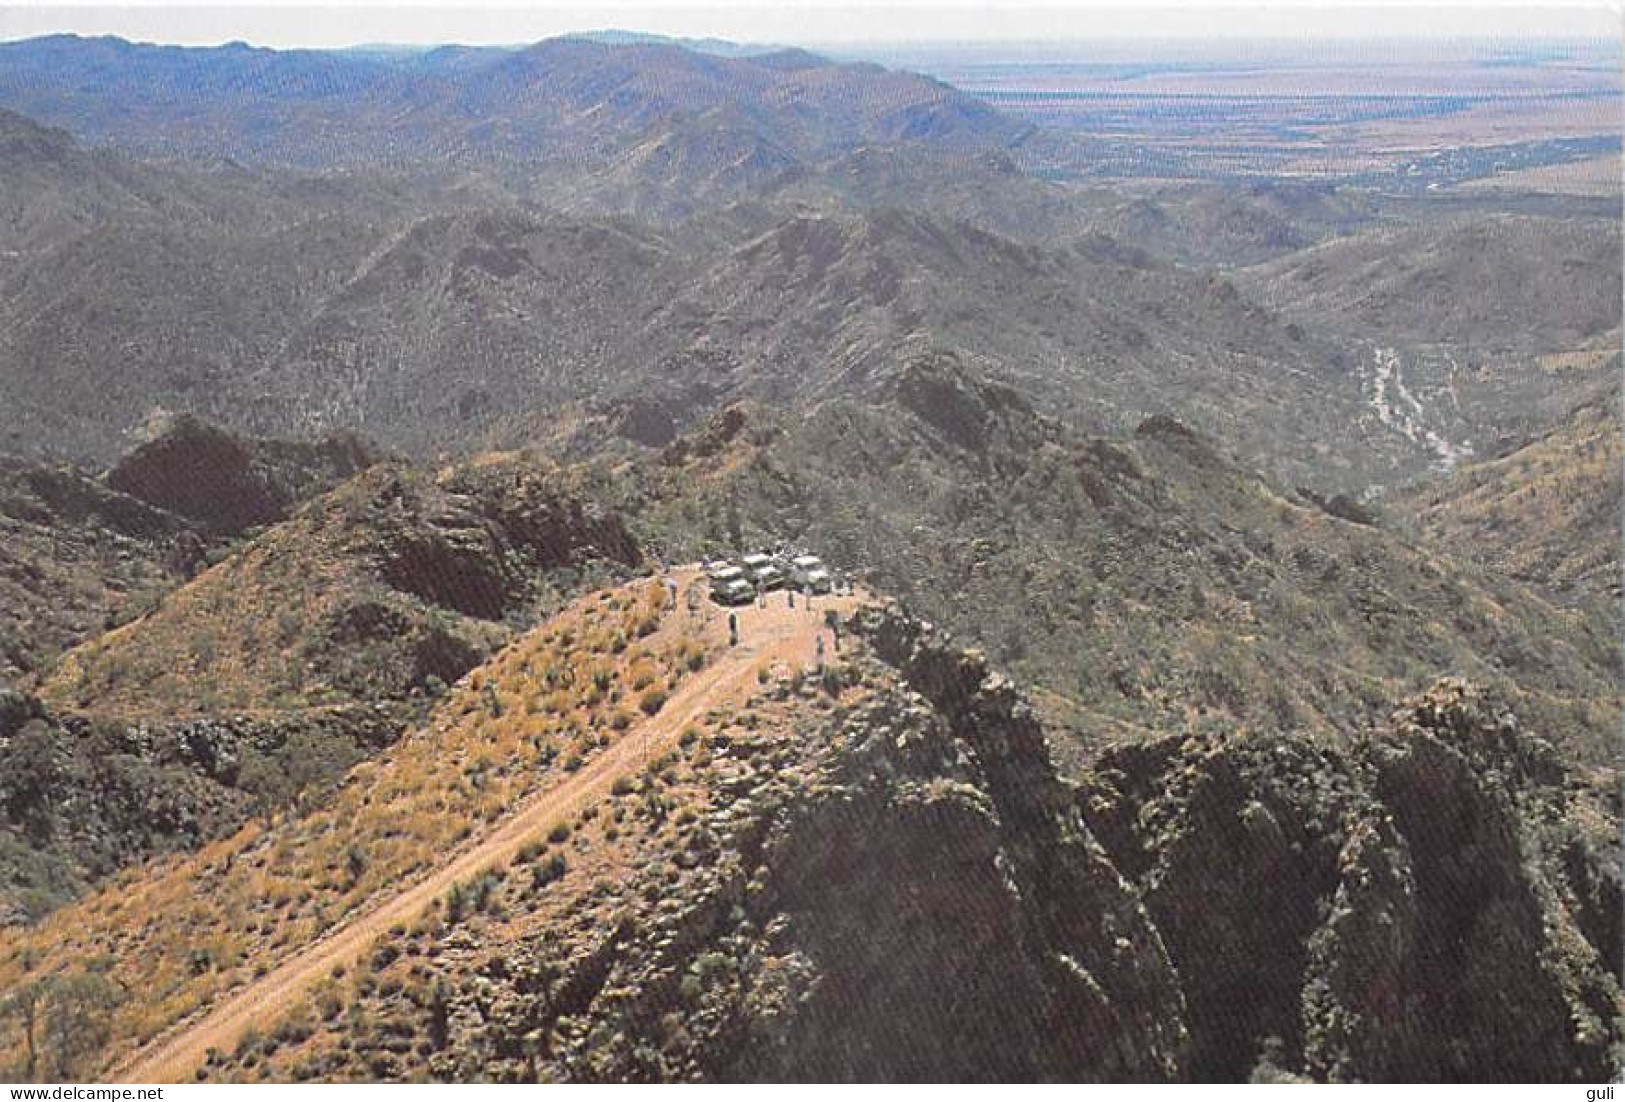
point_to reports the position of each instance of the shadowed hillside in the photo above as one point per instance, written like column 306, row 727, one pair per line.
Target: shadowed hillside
column 77, row 557
column 255, row 683
column 1144, row 582
column 1542, row 283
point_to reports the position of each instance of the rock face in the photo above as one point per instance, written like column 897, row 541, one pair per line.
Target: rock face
column 477, row 539
column 379, row 589
column 926, row 905
column 76, row 556
column 1438, row 902
column 876, row 874
column 226, row 483
column 80, row 554
column 82, row 797
column 930, row 901
column 1099, row 998
column 983, row 418
column 268, row 675
column 1047, row 547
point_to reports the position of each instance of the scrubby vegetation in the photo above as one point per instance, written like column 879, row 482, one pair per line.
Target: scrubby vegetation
column 184, row 931
column 392, row 585
column 1142, row 583
column 703, row 906
column 1547, row 513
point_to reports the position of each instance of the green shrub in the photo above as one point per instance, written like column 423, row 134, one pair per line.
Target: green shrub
column 548, row 871
column 456, row 904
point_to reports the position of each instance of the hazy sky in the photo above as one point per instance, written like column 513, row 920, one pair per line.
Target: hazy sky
column 802, row 22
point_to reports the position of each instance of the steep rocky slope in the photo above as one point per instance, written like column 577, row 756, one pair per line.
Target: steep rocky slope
column 1490, row 282
column 339, row 305
column 393, row 584
column 543, row 710
column 226, row 484
column 82, row 796
column 873, row 877
column 136, row 316
column 53, row 187
column 291, row 305
column 875, row 873
column 83, row 553
column 1231, row 226
column 76, row 557
column 552, row 308
column 823, row 303
column 255, row 683
column 1438, row 902
column 336, row 323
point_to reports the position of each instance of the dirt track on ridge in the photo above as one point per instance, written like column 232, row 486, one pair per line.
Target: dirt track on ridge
column 775, row 633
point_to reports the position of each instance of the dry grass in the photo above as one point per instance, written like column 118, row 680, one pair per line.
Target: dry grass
column 624, row 863
column 251, row 899
column 250, row 632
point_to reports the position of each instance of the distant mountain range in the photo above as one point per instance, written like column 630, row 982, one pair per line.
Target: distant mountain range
column 574, row 102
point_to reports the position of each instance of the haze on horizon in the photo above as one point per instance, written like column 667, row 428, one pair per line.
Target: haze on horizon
column 805, row 23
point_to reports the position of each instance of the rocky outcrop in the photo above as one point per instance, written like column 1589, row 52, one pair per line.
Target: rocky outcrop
column 227, row 483
column 1341, row 506
column 389, row 586
column 992, row 422
column 82, row 797
column 76, row 556
column 1428, row 904
column 877, row 877
column 1102, row 1000
column 738, row 423
column 475, row 541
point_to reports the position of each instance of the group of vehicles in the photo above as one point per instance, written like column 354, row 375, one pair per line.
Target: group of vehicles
column 738, row 583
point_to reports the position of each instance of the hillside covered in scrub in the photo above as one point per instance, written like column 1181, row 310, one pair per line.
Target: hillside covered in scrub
column 198, row 672
column 1144, row 582
column 875, row 873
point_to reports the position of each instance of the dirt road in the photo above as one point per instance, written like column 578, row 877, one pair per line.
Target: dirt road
column 777, row 632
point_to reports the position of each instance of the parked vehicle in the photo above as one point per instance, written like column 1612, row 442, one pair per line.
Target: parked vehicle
column 730, row 586
column 763, row 571
column 808, row 572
